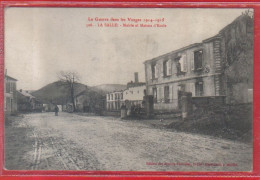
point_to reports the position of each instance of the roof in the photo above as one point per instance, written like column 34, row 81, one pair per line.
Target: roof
column 135, row 84
column 173, row 52
column 24, row 93
column 9, row 77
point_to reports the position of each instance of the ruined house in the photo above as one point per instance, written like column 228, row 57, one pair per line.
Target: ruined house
column 220, row 67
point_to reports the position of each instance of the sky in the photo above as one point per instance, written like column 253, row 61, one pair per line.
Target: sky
column 41, row 42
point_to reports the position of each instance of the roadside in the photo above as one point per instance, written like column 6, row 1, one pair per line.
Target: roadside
column 235, row 125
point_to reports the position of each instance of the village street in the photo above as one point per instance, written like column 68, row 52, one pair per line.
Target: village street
column 71, row 142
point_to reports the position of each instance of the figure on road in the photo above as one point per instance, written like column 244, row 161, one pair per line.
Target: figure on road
column 56, row 110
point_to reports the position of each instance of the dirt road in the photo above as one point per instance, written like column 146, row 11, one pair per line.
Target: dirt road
column 43, row 141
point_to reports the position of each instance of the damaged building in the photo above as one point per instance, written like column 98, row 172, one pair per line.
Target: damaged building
column 220, row 67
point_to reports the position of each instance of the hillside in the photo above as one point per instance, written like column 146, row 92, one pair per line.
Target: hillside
column 56, row 92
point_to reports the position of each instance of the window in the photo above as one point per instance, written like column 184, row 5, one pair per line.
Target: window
column 108, row 97
column 167, row 68
column 166, row 94
column 121, row 95
column 154, row 71
column 111, row 96
column 198, row 58
column 199, row 88
column 155, row 95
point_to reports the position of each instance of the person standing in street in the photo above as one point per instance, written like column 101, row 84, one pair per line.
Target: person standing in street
column 56, row 110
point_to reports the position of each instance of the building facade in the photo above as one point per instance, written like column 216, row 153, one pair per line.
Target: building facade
column 10, row 95
column 205, row 69
column 132, row 95
column 135, row 94
column 114, row 100
column 195, row 69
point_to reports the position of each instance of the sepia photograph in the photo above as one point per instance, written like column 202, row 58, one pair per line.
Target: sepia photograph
column 128, row 89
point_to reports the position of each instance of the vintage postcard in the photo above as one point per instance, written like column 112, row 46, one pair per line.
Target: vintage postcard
column 128, row 89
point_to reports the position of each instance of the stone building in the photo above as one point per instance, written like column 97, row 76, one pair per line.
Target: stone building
column 10, row 95
column 202, row 68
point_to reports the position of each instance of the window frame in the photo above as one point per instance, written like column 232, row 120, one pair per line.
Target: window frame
column 195, row 59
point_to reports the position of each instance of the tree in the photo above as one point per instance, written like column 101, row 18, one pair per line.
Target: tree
column 69, row 79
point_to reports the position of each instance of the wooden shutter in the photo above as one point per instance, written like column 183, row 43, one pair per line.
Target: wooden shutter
column 183, row 62
column 169, row 67
column 161, row 68
column 192, row 60
column 184, row 56
column 156, row 71
column 150, row 71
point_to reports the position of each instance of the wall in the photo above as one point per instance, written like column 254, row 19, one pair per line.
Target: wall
column 134, row 93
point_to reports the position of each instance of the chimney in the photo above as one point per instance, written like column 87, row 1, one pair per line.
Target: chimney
column 136, row 77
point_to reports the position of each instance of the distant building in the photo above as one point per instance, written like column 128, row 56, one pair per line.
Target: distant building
column 10, row 97
column 28, row 103
column 133, row 94
column 89, row 101
column 114, row 100
column 49, row 107
column 206, row 69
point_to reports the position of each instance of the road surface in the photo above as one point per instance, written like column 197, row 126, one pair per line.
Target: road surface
column 42, row 141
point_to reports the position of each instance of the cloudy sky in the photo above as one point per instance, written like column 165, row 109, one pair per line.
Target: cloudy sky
column 40, row 42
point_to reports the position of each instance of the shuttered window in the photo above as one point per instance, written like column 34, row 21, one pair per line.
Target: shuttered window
column 167, row 68
column 192, row 61
column 198, row 59
column 155, row 71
